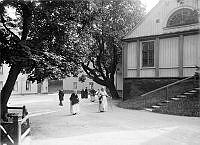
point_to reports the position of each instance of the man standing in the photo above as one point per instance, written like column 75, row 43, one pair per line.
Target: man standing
column 86, row 93
column 61, row 97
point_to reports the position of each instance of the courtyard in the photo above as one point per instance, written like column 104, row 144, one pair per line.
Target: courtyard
column 54, row 125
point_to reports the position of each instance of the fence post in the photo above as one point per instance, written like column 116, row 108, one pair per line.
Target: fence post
column 144, row 97
column 167, row 94
column 16, row 132
column 167, row 98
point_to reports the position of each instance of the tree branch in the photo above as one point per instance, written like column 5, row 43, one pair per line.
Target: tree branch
column 93, row 75
column 27, row 16
column 4, row 25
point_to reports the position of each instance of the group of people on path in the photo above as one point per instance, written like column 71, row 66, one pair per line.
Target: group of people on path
column 74, row 99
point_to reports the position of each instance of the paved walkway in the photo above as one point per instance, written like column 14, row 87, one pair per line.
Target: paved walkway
column 53, row 125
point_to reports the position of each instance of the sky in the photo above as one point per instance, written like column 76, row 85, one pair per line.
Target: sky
column 149, row 4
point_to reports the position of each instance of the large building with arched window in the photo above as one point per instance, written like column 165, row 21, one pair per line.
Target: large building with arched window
column 165, row 44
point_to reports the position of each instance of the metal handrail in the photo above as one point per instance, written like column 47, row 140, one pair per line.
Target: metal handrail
column 169, row 85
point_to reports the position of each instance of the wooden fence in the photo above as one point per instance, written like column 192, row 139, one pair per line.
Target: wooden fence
column 14, row 131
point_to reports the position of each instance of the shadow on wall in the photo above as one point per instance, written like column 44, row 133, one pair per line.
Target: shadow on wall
column 54, row 85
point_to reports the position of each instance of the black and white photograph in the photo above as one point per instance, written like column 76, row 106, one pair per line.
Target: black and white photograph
column 100, row 72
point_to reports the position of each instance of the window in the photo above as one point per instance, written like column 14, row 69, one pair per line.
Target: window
column 184, row 16
column 91, row 84
column 148, row 54
column 1, row 85
column 15, row 86
column 1, row 69
column 28, row 85
column 74, row 85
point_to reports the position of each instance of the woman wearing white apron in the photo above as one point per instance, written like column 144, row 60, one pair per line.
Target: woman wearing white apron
column 74, row 103
column 103, row 103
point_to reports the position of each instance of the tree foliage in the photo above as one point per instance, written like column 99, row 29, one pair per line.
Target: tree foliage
column 82, row 78
column 39, row 38
column 50, row 38
column 45, row 35
column 112, row 19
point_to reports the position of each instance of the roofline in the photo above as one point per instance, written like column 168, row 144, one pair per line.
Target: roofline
column 165, row 35
column 128, row 33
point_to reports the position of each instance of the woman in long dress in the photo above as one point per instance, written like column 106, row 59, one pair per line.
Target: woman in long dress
column 92, row 94
column 74, row 103
column 103, row 103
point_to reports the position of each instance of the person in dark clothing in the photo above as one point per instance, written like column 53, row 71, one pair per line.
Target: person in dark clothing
column 61, row 97
column 92, row 94
column 82, row 93
column 86, row 93
column 74, row 103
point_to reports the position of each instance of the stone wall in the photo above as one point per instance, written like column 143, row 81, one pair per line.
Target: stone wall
column 185, row 107
column 134, row 87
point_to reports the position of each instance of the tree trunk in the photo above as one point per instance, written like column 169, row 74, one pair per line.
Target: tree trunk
column 8, row 87
column 112, row 90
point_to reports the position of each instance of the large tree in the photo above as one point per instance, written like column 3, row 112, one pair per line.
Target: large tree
column 112, row 19
column 39, row 39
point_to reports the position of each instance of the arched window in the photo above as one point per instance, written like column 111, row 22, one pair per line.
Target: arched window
column 184, row 16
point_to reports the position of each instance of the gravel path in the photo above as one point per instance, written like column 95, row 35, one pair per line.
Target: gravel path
column 53, row 125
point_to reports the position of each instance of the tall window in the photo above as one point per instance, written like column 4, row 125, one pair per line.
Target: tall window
column 148, row 54
column 74, row 85
column 1, row 85
column 184, row 16
column 28, row 85
column 1, row 69
column 15, row 86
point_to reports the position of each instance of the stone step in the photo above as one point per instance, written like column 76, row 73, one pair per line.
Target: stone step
column 155, row 106
column 166, row 101
column 188, row 93
column 161, row 104
column 197, row 89
column 175, row 99
column 193, row 91
column 149, row 109
column 181, row 96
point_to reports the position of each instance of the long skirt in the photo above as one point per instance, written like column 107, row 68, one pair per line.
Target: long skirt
column 92, row 98
column 103, row 105
column 74, row 108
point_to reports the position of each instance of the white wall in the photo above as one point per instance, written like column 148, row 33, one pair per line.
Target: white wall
column 168, row 57
column 20, row 87
column 44, row 86
column 131, row 56
column 190, row 54
column 132, row 59
column 68, row 84
column 4, row 76
column 22, row 78
column 161, row 12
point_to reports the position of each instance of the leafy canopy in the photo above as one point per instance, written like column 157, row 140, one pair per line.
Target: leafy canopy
column 40, row 36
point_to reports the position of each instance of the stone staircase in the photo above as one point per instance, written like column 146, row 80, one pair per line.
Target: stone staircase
column 174, row 104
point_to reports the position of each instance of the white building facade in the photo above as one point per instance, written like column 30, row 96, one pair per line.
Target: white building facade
column 72, row 83
column 22, row 85
column 166, row 43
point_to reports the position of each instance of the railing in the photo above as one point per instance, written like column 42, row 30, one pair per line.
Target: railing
column 167, row 92
column 17, row 127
